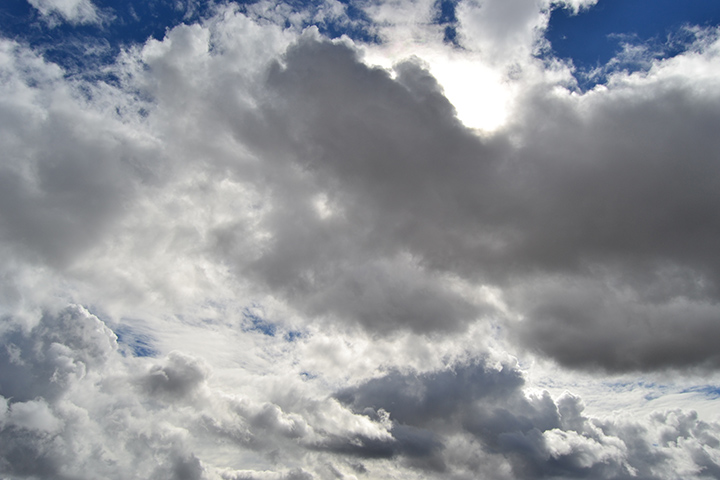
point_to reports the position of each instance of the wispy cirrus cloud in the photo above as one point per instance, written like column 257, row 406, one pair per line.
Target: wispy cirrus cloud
column 72, row 11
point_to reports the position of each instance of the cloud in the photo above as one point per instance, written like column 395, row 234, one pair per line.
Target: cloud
column 252, row 254
column 609, row 195
column 72, row 11
column 71, row 403
column 165, row 418
column 339, row 263
column 70, row 168
column 360, row 198
column 483, row 408
column 628, row 234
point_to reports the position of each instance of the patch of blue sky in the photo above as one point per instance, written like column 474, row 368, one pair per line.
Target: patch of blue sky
column 652, row 396
column 136, row 343
column 655, row 28
column 709, row 391
column 447, row 18
column 83, row 49
column 658, row 390
column 255, row 323
column 292, row 335
column 654, row 390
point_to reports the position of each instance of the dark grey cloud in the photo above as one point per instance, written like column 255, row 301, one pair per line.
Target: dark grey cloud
column 597, row 217
column 372, row 146
column 541, row 437
column 475, row 398
column 415, row 399
column 624, row 215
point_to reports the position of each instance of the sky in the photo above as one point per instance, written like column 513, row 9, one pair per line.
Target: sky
column 406, row 239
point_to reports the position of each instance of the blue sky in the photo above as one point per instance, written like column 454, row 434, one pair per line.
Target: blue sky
column 592, row 37
column 78, row 46
column 589, row 38
column 362, row 240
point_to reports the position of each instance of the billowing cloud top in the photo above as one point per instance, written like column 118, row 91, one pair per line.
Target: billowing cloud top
column 256, row 248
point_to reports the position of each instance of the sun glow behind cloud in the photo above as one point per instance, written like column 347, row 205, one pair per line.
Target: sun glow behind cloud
column 480, row 96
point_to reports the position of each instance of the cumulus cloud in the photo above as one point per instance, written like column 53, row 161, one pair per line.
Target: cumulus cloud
column 482, row 408
column 164, row 418
column 72, row 404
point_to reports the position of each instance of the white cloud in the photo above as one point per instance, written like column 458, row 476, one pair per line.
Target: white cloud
column 33, row 415
column 73, row 11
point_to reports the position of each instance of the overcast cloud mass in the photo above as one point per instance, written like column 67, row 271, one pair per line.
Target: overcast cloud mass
column 356, row 240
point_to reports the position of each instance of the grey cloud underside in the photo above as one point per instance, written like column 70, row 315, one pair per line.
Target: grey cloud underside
column 542, row 438
column 599, row 222
column 369, row 144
